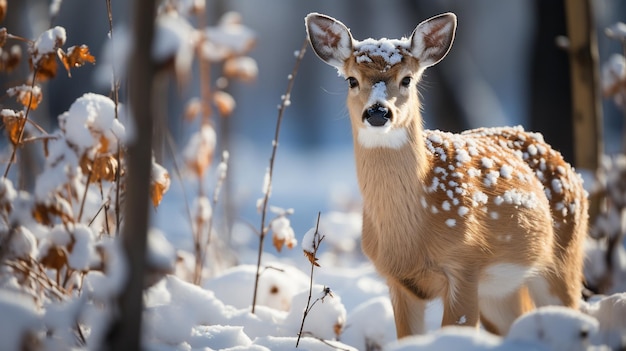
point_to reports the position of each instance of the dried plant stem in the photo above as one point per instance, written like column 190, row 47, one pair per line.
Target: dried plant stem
column 316, row 244
column 326, row 342
column 82, row 202
column 116, row 99
column 281, row 111
column 22, row 126
column 205, row 248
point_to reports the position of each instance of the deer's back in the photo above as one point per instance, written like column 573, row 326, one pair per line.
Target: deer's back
column 502, row 166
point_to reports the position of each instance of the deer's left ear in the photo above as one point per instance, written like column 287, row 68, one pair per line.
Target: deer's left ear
column 431, row 40
column 331, row 40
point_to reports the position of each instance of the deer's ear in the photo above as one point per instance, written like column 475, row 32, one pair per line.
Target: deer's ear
column 431, row 40
column 331, row 40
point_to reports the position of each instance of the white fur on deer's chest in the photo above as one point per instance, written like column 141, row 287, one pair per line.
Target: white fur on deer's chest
column 385, row 137
column 503, row 278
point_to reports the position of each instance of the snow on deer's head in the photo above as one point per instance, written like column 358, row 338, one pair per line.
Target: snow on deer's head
column 382, row 74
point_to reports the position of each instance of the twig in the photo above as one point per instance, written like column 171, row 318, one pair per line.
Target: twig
column 281, row 110
column 23, row 125
column 82, row 202
column 316, row 244
column 216, row 193
column 116, row 99
column 325, row 342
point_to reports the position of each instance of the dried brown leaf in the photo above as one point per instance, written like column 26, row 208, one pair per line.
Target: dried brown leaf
column 46, row 68
column 157, row 190
column 311, row 257
column 104, row 168
column 10, row 59
column 193, row 109
column 76, row 57
column 159, row 183
column 224, row 102
column 26, row 95
column 241, row 67
column 13, row 125
column 55, row 258
column 278, row 242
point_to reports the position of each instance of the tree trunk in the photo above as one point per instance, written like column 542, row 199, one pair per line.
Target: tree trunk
column 125, row 332
column 586, row 100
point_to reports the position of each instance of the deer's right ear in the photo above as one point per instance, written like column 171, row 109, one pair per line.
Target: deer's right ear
column 331, row 40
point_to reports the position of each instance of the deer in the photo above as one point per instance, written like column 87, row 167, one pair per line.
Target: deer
column 491, row 221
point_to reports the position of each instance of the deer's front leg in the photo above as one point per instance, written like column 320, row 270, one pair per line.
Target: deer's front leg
column 408, row 310
column 460, row 302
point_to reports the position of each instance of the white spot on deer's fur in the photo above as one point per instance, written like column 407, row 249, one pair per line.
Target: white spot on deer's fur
column 463, row 156
column 473, row 172
column 450, row 222
column 503, row 278
column 532, row 149
column 486, row 162
column 463, row 210
column 506, row 171
column 515, row 197
column 462, row 320
column 384, row 137
column 499, row 200
column 541, row 149
column 480, row 198
column 435, row 138
column 505, row 237
column 434, row 209
column 441, row 170
column 557, row 186
column 491, row 178
column 445, row 205
column 434, row 185
column 494, row 215
column 423, row 201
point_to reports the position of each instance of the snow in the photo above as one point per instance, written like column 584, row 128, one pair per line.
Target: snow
column 391, row 50
column 48, row 42
column 24, row 320
column 617, row 31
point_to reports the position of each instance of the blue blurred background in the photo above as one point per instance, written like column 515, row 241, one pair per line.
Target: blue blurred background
column 504, row 69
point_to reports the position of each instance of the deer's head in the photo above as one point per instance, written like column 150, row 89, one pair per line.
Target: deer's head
column 382, row 74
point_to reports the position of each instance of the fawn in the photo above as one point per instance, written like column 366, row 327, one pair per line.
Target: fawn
column 492, row 220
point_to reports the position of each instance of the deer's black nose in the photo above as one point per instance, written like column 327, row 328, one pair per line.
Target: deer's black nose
column 377, row 115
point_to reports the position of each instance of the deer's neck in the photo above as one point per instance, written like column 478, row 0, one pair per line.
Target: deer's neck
column 392, row 182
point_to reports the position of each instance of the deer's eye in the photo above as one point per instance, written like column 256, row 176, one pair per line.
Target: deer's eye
column 406, row 81
column 352, row 82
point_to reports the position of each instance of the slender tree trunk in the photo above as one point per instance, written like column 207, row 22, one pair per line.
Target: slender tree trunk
column 586, row 100
column 125, row 333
